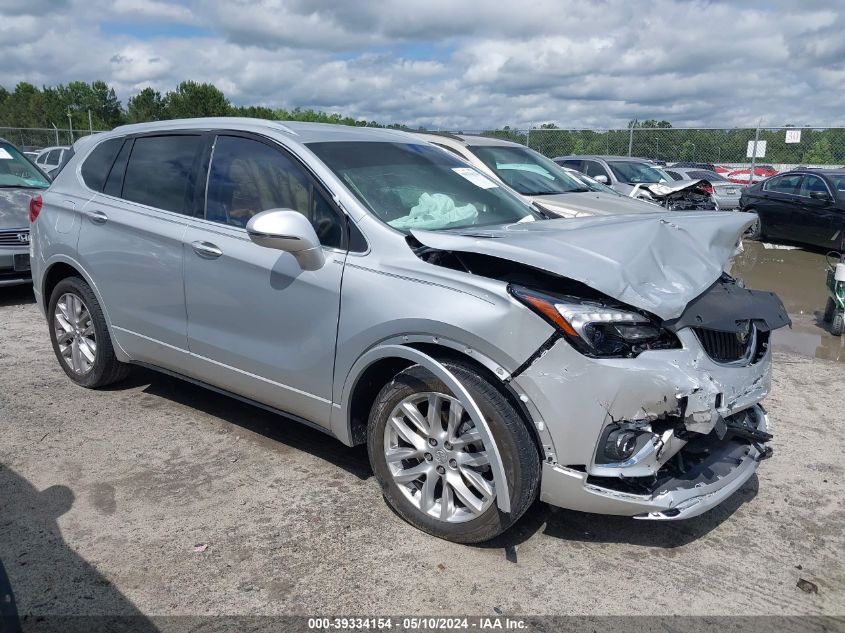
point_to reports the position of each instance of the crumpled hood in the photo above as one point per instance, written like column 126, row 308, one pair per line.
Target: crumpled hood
column 663, row 189
column 657, row 263
column 14, row 207
column 594, row 203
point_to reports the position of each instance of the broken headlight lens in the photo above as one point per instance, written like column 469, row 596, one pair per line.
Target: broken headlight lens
column 596, row 329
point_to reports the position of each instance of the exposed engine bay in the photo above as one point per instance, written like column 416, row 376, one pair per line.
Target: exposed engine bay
column 696, row 195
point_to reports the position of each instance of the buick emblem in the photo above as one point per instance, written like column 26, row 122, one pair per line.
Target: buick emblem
column 23, row 238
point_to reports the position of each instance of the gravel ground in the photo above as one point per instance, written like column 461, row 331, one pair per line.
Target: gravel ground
column 104, row 496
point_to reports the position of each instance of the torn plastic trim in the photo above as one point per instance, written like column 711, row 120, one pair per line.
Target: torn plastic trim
column 728, row 307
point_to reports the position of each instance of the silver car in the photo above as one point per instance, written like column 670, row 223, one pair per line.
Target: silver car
column 377, row 288
column 20, row 182
column 639, row 178
column 726, row 194
column 536, row 177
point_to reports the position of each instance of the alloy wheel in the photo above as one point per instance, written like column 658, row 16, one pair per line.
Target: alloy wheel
column 75, row 334
column 437, row 458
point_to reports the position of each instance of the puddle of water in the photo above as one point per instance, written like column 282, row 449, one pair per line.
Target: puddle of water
column 798, row 278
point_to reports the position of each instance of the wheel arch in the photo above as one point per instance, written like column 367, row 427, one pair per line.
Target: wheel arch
column 63, row 267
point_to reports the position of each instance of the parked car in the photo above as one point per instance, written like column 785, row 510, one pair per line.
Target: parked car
column 725, row 193
column 483, row 354
column 50, row 157
column 807, row 207
column 742, row 176
column 533, row 175
column 19, row 179
column 635, row 177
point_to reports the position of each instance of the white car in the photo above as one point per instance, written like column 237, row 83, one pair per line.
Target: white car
column 51, row 157
column 540, row 179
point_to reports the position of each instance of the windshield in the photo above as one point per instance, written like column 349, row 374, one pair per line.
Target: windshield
column 16, row 171
column 634, row 173
column 412, row 186
column 530, row 173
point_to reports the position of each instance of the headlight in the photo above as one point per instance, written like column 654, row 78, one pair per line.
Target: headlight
column 596, row 329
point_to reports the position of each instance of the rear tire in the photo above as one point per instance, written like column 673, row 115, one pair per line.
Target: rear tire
column 433, row 501
column 80, row 336
column 837, row 326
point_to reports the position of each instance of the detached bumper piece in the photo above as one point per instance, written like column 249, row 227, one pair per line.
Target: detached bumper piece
column 705, row 472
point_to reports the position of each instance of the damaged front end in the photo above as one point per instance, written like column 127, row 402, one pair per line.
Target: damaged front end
column 650, row 387
column 692, row 195
column 672, row 427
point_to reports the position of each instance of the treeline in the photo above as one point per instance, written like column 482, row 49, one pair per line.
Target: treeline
column 30, row 107
column 658, row 140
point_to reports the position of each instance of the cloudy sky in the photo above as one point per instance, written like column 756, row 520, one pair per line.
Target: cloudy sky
column 455, row 63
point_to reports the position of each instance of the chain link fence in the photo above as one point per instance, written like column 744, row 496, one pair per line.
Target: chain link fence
column 30, row 139
column 782, row 148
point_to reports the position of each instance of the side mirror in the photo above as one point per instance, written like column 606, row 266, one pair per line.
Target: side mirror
column 601, row 178
column 820, row 195
column 289, row 231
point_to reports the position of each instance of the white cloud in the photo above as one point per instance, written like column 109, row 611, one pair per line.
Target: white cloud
column 453, row 63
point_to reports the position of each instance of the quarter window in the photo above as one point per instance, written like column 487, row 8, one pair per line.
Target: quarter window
column 161, row 171
column 96, row 167
column 788, row 184
column 248, row 176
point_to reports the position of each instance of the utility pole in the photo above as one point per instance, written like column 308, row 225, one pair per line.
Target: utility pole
column 57, row 132
column 631, row 136
column 754, row 152
column 70, row 125
column 90, row 125
column 528, row 136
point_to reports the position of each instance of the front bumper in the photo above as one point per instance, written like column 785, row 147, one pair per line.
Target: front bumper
column 669, row 501
column 681, row 395
column 12, row 269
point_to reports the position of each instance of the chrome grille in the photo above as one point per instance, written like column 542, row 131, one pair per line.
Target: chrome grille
column 13, row 238
column 730, row 347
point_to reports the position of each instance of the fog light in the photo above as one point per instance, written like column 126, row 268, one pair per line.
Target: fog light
column 620, row 444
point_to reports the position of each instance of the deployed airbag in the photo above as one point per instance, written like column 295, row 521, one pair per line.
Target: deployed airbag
column 435, row 211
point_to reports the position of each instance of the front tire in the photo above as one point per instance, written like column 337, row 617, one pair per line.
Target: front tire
column 80, row 336
column 755, row 231
column 837, row 325
column 431, row 463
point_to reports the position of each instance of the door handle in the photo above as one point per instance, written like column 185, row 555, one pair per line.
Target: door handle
column 97, row 217
column 206, row 250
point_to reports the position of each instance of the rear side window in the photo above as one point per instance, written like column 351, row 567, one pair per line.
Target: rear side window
column 784, row 184
column 96, row 167
column 675, row 175
column 161, row 171
column 812, row 184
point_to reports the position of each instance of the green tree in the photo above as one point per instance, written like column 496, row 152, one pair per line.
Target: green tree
column 191, row 99
column 820, row 153
column 147, row 105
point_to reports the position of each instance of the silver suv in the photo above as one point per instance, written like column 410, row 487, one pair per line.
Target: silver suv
column 373, row 286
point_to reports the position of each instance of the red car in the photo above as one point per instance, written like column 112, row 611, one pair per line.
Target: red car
column 742, row 176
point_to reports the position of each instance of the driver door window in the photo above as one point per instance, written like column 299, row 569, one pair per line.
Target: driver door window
column 247, row 176
column 812, row 184
column 593, row 169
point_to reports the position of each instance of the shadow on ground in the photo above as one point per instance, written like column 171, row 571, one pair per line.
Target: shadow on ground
column 16, row 296
column 42, row 580
column 272, row 426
